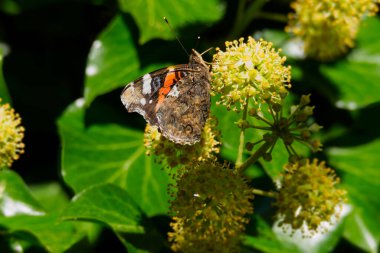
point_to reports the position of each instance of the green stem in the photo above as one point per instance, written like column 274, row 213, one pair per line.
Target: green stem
column 244, row 19
column 264, row 193
column 239, row 158
column 255, row 156
column 273, row 16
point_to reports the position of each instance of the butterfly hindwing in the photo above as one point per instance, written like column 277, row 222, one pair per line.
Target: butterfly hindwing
column 183, row 113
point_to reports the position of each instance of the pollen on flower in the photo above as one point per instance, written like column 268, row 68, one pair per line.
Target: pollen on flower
column 173, row 154
column 249, row 70
column 328, row 28
column 11, row 135
column 308, row 196
column 209, row 208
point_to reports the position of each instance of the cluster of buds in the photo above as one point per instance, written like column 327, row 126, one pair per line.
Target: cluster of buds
column 11, row 135
column 328, row 28
column 296, row 127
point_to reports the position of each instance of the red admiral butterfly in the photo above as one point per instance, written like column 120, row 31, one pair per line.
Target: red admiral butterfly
column 176, row 99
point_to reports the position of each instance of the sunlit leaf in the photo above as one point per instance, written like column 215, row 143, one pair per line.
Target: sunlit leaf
column 109, row 204
column 112, row 60
column 50, row 233
column 356, row 78
column 149, row 15
column 110, row 154
column 51, row 196
column 15, row 197
column 21, row 213
column 360, row 173
column 266, row 240
column 356, row 231
column 113, row 206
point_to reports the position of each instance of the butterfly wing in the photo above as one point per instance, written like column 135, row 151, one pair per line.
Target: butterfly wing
column 142, row 95
column 183, row 113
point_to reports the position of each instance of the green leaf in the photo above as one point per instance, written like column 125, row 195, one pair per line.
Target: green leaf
column 267, row 241
column 21, row 213
column 110, row 154
column 356, row 231
column 108, row 204
column 15, row 197
column 4, row 95
column 149, row 15
column 112, row 60
column 53, row 235
column 356, row 78
column 51, row 196
column 360, row 173
column 270, row 239
column 113, row 206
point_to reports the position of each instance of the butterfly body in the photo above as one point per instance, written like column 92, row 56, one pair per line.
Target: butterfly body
column 176, row 99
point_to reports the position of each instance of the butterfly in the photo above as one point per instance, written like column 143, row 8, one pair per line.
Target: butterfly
column 176, row 99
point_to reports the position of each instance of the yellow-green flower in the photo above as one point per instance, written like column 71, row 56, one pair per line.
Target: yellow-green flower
column 11, row 135
column 249, row 70
column 328, row 28
column 173, row 154
column 308, row 196
column 210, row 208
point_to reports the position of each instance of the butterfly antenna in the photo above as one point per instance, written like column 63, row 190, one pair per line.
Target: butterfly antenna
column 167, row 22
column 206, row 51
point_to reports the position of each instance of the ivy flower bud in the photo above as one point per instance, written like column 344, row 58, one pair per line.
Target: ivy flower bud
column 11, row 135
column 249, row 70
column 309, row 196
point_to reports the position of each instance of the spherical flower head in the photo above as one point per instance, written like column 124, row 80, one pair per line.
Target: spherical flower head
column 210, row 208
column 328, row 28
column 11, row 135
column 173, row 154
column 249, row 70
column 308, row 196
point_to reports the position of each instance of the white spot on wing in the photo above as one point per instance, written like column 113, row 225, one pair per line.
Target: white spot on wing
column 147, row 79
column 174, row 91
column 150, row 101
column 143, row 101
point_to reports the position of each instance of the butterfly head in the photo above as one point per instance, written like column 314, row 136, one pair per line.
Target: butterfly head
column 196, row 58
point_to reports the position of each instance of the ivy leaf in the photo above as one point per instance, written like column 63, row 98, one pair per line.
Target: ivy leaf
column 357, row 232
column 356, row 78
column 149, row 15
column 109, row 153
column 112, row 60
column 360, row 172
column 108, row 204
column 23, row 217
column 113, row 206
column 15, row 197
column 51, row 234
column 51, row 196
column 4, row 95
column 266, row 240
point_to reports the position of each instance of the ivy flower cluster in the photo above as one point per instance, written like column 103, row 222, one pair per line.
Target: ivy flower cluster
column 210, row 207
column 328, row 28
column 308, row 196
column 11, row 135
column 249, row 70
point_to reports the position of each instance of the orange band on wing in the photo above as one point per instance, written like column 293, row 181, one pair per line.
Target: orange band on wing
column 170, row 79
